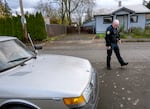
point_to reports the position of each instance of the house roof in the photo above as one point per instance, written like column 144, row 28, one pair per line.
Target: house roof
column 129, row 8
column 123, row 9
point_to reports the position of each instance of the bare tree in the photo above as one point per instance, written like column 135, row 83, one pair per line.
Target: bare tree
column 69, row 7
column 61, row 10
column 84, row 8
column 46, row 8
column 79, row 6
column 65, row 8
column 89, row 9
column 5, row 11
column 146, row 3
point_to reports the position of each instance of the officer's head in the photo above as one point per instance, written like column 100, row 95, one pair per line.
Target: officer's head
column 115, row 23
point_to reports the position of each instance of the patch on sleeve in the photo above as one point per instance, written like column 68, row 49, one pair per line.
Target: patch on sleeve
column 108, row 32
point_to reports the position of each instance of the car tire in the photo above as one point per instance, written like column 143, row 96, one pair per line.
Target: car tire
column 18, row 108
column 15, row 107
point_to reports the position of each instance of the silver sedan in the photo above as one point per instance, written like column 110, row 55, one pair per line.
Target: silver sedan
column 31, row 81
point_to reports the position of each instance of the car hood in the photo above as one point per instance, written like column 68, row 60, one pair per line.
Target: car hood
column 47, row 76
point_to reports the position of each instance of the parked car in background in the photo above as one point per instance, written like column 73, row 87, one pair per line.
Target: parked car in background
column 31, row 81
column 148, row 22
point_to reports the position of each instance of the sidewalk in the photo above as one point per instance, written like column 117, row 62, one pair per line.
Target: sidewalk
column 76, row 37
column 136, row 40
column 88, row 38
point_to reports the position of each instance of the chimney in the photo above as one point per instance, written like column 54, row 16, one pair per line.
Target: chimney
column 119, row 3
column 144, row 2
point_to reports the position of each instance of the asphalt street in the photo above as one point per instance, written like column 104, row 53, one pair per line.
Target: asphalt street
column 120, row 88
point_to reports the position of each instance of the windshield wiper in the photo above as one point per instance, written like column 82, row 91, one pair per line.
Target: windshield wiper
column 18, row 59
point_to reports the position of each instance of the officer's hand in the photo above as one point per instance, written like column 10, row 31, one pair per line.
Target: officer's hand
column 108, row 47
column 120, row 41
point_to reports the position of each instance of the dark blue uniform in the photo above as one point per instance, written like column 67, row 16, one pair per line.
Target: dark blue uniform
column 112, row 37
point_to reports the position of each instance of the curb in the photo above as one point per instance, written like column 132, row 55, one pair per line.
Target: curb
column 93, row 41
column 135, row 40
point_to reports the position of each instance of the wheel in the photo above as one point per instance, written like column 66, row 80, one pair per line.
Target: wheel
column 15, row 107
column 18, row 107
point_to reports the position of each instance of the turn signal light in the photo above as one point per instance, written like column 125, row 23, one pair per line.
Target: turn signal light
column 74, row 101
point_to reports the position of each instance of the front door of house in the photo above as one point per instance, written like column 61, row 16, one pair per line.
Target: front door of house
column 123, row 19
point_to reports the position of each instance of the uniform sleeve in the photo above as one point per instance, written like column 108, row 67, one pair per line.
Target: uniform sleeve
column 118, row 35
column 108, row 36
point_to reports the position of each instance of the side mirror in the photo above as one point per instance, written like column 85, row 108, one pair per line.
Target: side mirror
column 38, row 47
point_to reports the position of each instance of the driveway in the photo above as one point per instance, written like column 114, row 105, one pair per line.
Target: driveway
column 120, row 88
column 76, row 37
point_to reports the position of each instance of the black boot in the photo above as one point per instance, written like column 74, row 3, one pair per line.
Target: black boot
column 125, row 63
column 108, row 68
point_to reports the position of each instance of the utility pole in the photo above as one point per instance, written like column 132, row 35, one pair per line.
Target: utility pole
column 23, row 21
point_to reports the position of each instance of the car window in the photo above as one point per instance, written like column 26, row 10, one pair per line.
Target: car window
column 13, row 53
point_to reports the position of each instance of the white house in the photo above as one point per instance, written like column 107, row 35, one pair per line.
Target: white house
column 129, row 16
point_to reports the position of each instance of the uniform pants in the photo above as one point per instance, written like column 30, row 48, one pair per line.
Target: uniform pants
column 117, row 53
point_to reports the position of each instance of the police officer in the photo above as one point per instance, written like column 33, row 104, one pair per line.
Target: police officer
column 112, row 38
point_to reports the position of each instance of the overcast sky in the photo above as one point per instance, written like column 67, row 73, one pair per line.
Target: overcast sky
column 112, row 3
column 29, row 4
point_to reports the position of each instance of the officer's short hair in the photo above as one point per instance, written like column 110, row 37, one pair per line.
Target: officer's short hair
column 116, row 21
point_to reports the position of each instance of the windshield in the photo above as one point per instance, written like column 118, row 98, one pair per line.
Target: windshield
column 13, row 53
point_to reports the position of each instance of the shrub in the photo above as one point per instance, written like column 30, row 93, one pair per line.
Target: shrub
column 140, row 33
column 11, row 26
column 123, row 35
column 100, row 35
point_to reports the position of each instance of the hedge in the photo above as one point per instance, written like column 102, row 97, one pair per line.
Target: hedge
column 11, row 26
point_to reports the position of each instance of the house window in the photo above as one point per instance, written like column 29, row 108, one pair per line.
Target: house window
column 108, row 19
column 133, row 19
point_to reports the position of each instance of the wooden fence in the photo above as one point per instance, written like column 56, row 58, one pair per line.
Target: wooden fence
column 55, row 29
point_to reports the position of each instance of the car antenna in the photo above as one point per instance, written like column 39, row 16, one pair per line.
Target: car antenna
column 33, row 47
